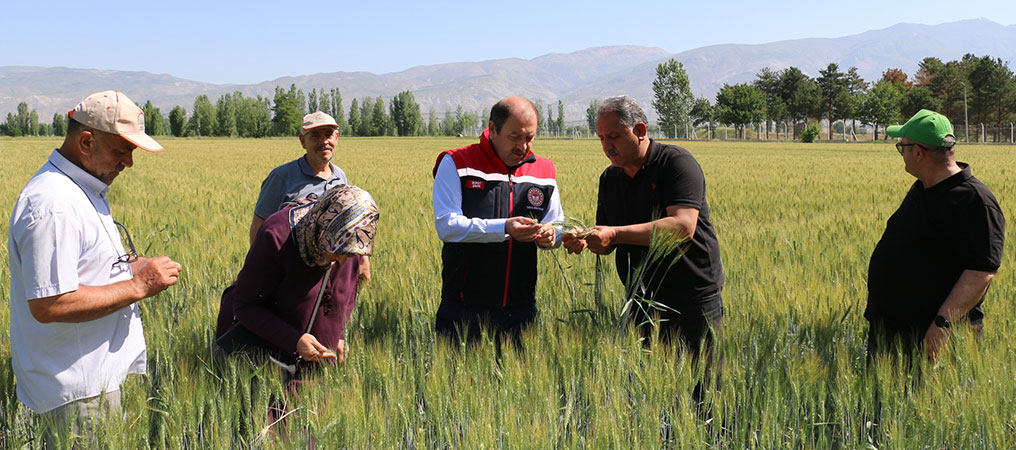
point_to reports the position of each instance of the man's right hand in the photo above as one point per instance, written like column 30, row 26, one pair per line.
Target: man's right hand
column 522, row 229
column 572, row 242
column 154, row 275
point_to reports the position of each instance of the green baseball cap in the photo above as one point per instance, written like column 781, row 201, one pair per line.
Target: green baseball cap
column 926, row 127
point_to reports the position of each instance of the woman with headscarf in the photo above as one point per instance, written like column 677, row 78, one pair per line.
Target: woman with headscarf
column 276, row 293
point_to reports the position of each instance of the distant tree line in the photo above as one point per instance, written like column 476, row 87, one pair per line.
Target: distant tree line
column 981, row 90
column 788, row 101
column 234, row 115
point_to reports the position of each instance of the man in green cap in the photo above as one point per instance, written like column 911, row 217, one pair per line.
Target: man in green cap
column 940, row 249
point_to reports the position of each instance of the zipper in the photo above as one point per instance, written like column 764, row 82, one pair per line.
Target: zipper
column 508, row 268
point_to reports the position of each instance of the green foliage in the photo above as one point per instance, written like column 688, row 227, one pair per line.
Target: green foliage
column 225, row 115
column 740, row 105
column 800, row 94
column 177, row 121
column 33, row 123
column 153, row 119
column 203, row 121
column 336, row 108
column 354, row 118
column 559, row 126
column 60, row 124
column 918, row 98
column 591, row 111
column 378, row 118
column 810, row 133
column 672, row 97
column 433, row 125
column 833, row 85
column 312, row 102
column 702, row 112
column 541, row 126
column 288, row 111
column 253, row 116
column 24, row 123
column 881, row 105
column 992, row 89
column 405, row 114
column 366, row 125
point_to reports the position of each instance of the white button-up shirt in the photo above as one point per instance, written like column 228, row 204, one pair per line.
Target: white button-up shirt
column 62, row 236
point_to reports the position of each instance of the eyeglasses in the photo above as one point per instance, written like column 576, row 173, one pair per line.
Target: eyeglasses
column 132, row 255
column 901, row 146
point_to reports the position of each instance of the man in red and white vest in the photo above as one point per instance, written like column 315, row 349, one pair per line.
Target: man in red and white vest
column 493, row 205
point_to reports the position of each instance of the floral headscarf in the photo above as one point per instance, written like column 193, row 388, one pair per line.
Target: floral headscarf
column 342, row 221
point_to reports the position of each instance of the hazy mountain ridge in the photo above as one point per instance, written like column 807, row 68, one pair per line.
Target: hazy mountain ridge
column 575, row 78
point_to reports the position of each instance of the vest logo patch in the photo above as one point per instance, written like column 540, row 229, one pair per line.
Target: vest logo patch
column 535, row 196
column 476, row 184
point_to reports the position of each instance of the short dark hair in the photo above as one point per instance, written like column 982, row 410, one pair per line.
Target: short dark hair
column 74, row 127
column 504, row 109
column 627, row 110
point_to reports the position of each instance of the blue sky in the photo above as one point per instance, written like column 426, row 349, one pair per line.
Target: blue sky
column 253, row 41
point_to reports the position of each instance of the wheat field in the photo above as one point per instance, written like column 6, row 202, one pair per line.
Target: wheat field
column 796, row 225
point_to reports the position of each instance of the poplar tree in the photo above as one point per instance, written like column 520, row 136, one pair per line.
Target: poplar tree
column 672, row 98
column 177, row 120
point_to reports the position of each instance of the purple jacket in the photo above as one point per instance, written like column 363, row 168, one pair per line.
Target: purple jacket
column 274, row 294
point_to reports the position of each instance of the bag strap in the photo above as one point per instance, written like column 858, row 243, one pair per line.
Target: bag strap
column 320, row 295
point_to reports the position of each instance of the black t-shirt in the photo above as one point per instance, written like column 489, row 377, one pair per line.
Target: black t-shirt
column 669, row 177
column 934, row 236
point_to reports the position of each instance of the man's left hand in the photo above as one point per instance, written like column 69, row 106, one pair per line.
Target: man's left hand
column 546, row 237
column 602, row 240
column 365, row 268
column 935, row 340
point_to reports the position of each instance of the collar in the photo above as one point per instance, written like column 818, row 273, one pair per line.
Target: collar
column 649, row 154
column 306, row 170
column 488, row 149
column 954, row 180
column 78, row 175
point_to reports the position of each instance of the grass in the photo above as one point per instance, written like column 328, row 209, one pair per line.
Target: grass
column 796, row 224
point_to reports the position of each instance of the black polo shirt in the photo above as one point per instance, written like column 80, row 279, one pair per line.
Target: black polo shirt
column 934, row 236
column 670, row 176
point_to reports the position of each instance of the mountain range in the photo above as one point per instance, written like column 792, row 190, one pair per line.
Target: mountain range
column 574, row 78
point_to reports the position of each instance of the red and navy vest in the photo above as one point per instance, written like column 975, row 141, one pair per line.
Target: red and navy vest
column 500, row 274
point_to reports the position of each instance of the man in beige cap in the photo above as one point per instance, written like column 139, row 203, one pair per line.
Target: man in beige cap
column 304, row 178
column 308, row 176
column 75, row 325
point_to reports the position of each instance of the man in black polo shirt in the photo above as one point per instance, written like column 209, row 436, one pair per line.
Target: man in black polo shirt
column 655, row 186
column 940, row 249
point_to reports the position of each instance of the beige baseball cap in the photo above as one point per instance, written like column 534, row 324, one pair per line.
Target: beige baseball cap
column 318, row 119
column 113, row 112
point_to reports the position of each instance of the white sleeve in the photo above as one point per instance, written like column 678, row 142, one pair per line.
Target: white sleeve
column 49, row 250
column 451, row 225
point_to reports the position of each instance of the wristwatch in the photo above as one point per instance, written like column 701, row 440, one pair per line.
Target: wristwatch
column 942, row 322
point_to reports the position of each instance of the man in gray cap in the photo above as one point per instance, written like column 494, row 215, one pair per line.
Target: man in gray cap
column 939, row 250
column 308, row 176
column 75, row 326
